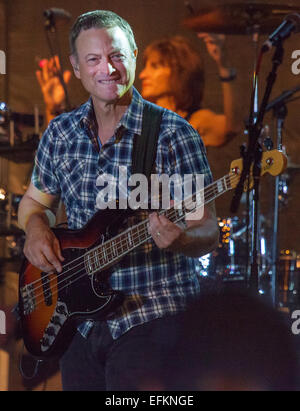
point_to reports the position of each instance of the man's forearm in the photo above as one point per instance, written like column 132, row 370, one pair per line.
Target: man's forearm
column 31, row 213
column 199, row 240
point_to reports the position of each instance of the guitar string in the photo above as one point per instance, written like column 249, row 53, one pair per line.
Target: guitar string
column 138, row 235
column 229, row 177
column 107, row 251
column 71, row 282
column 82, row 257
column 208, row 188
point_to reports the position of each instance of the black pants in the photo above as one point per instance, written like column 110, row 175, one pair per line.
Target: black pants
column 133, row 362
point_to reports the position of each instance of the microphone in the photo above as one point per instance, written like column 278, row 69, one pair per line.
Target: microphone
column 290, row 24
column 57, row 13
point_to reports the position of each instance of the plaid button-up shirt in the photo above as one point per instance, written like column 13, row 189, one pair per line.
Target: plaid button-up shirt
column 69, row 159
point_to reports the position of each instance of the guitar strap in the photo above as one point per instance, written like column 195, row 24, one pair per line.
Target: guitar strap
column 145, row 145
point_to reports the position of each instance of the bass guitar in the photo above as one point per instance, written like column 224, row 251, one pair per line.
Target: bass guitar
column 52, row 304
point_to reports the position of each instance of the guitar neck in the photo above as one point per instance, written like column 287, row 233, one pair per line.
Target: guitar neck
column 113, row 249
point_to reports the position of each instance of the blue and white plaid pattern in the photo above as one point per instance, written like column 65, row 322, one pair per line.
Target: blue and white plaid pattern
column 68, row 162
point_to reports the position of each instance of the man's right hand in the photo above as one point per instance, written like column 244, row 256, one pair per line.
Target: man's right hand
column 42, row 248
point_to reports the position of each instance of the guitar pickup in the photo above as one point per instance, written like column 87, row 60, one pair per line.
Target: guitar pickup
column 46, row 288
column 57, row 321
column 28, row 297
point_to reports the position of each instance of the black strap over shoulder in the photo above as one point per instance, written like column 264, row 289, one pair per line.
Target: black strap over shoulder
column 145, row 146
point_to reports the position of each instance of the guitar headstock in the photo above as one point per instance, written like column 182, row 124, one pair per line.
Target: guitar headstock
column 273, row 162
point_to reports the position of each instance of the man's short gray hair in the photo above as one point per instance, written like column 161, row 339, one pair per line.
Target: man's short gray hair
column 100, row 19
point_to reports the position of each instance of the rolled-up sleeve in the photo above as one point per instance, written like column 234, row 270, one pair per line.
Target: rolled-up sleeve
column 43, row 176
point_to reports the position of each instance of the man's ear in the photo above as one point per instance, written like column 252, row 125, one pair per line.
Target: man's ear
column 75, row 65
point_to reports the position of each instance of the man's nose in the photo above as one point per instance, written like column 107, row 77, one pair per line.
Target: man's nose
column 106, row 67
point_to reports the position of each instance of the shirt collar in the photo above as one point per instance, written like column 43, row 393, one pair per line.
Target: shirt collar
column 131, row 119
column 86, row 115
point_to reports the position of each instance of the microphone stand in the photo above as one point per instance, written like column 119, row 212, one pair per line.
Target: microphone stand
column 280, row 113
column 252, row 157
column 250, row 200
column 50, row 26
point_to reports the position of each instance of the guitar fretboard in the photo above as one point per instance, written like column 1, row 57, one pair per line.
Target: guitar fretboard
column 113, row 249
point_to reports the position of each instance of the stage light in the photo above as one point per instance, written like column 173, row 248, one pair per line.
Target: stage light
column 2, row 194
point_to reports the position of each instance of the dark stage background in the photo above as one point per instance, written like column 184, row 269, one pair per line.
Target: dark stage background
column 24, row 41
column 22, row 37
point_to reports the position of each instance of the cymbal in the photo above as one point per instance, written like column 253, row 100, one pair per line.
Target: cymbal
column 239, row 18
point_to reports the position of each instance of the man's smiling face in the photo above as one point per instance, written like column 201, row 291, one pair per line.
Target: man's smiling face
column 105, row 63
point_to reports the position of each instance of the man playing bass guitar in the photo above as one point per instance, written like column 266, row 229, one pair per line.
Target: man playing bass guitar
column 158, row 278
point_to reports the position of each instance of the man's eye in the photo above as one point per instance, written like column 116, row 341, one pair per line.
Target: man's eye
column 92, row 60
column 117, row 57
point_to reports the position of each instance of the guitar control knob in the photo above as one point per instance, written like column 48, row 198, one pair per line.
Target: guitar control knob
column 61, row 310
column 45, row 342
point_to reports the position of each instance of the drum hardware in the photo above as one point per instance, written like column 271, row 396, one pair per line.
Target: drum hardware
column 282, row 182
column 9, row 200
column 35, row 120
column 15, row 245
column 283, row 189
column 9, row 132
column 253, row 19
column 14, row 146
column 280, row 197
column 3, row 114
column 247, row 19
column 11, row 122
column 253, row 158
column 228, row 261
column 13, row 237
column 289, row 279
column 238, row 18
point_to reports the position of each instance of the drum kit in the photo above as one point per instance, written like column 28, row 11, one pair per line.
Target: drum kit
column 230, row 262
column 18, row 147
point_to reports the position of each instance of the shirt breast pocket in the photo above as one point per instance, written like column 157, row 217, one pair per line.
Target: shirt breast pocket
column 70, row 173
